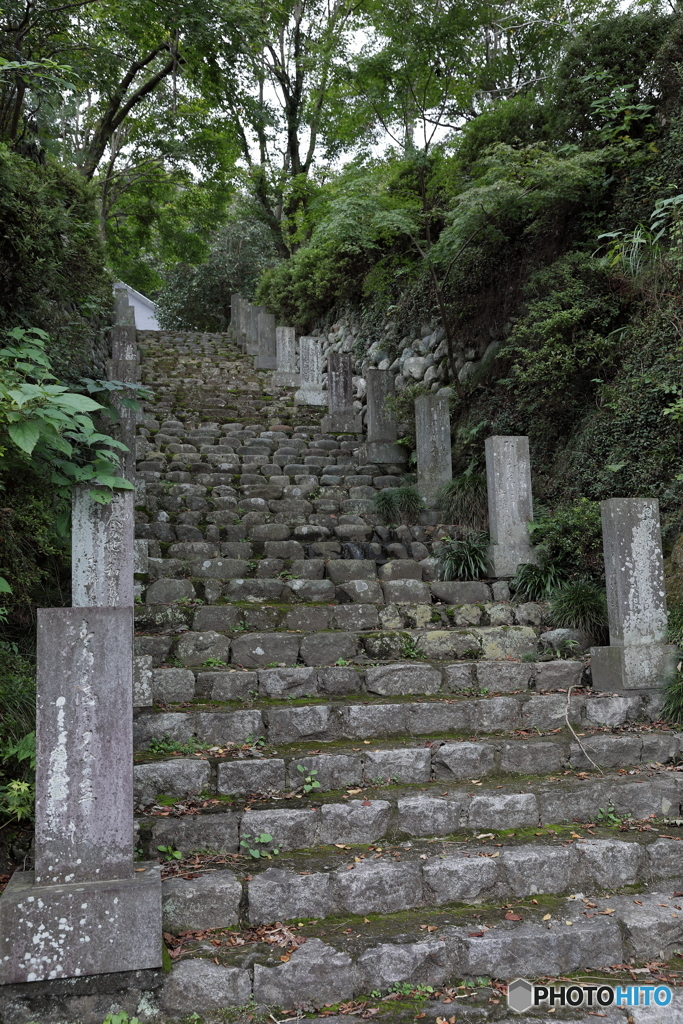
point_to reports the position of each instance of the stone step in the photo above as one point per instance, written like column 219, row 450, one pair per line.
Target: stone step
column 387, row 630
column 378, row 717
column 281, row 649
column 388, row 880
column 484, row 678
column 403, row 812
column 261, row 770
column 549, row 940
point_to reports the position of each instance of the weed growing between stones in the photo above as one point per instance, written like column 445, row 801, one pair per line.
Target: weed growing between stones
column 673, row 697
column 580, row 604
column 464, row 501
column 398, row 505
column 537, row 582
column 465, row 559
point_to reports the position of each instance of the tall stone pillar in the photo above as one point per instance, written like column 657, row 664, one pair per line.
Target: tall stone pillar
column 267, row 350
column 311, row 362
column 508, row 481
column 254, row 339
column 433, row 441
column 86, row 908
column 341, row 416
column 380, row 446
column 285, row 344
column 234, row 315
column 638, row 655
column 102, row 550
column 245, row 324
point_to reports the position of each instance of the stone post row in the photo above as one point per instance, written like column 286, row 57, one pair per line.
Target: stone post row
column 86, row 908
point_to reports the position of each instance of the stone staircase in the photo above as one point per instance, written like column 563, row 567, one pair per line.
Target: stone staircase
column 366, row 783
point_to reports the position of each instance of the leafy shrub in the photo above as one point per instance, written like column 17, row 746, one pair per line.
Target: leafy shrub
column 517, row 120
column 537, row 582
column 569, row 536
column 464, row 501
column 465, row 559
column 580, row 604
column 567, row 338
column 17, row 734
column 52, row 272
column 398, row 505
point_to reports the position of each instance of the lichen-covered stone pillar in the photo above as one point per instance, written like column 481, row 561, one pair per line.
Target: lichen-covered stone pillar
column 86, row 908
column 638, row 655
column 285, row 344
column 433, row 442
column 341, row 416
column 508, row 481
column 102, row 550
column 311, row 363
column 381, row 446
column 267, row 351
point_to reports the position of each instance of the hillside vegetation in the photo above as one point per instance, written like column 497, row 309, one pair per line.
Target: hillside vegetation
column 550, row 234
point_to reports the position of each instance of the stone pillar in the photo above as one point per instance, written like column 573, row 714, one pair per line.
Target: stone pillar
column 86, row 908
column 380, row 446
column 245, row 324
column 253, row 335
column 311, row 363
column 235, row 315
column 433, row 442
column 638, row 655
column 341, row 417
column 102, row 550
column 267, row 351
column 285, row 344
column 508, row 481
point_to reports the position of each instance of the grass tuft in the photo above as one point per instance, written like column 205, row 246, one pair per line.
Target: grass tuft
column 465, row 559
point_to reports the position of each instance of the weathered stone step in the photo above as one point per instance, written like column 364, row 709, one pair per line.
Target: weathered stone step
column 415, row 763
column 450, row 679
column 347, row 719
column 264, row 649
column 328, row 969
column 386, row 881
column 398, row 811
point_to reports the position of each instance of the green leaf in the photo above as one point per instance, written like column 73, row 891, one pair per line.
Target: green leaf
column 80, row 403
column 25, row 434
column 4, row 586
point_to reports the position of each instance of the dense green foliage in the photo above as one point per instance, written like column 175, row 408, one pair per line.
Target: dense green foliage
column 198, row 297
column 51, row 261
column 546, row 236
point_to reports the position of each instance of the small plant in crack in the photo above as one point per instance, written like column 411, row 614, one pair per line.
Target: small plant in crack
column 310, row 782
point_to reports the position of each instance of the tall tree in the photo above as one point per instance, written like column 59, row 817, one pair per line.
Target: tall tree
column 280, row 84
